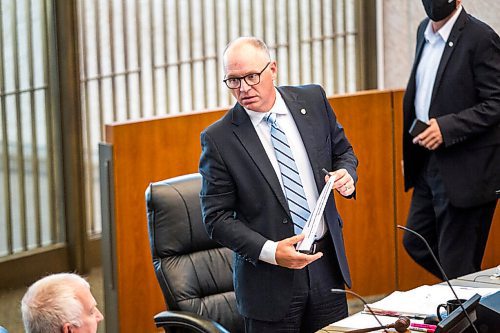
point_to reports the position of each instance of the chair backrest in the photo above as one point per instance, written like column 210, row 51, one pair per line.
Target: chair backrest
column 194, row 272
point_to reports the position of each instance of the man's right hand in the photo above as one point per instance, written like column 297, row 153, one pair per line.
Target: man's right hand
column 287, row 256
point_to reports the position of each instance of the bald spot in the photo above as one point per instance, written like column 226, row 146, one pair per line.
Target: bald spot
column 243, row 51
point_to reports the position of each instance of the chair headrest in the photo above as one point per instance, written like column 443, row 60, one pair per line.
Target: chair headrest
column 174, row 217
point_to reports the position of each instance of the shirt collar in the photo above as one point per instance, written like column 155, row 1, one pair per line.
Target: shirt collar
column 279, row 107
column 445, row 30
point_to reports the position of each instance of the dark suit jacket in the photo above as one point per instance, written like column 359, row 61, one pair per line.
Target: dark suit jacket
column 466, row 104
column 243, row 204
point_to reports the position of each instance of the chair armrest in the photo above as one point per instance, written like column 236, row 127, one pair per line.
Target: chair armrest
column 189, row 320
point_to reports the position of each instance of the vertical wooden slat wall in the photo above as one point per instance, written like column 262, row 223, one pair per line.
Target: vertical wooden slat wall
column 151, row 150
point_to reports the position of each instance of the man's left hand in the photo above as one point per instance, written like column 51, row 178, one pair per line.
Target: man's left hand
column 431, row 138
column 344, row 183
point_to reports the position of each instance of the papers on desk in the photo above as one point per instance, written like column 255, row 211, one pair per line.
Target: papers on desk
column 422, row 301
column 416, row 304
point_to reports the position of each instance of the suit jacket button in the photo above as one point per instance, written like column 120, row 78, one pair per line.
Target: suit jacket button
column 285, row 221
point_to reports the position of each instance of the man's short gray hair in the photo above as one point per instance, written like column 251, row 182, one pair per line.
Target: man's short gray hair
column 254, row 41
column 51, row 302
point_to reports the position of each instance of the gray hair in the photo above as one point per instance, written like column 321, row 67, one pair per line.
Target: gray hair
column 254, row 41
column 51, row 302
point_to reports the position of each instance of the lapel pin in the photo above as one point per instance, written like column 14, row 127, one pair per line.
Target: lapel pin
column 450, row 44
column 303, row 111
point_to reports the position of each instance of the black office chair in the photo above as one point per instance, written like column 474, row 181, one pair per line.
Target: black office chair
column 194, row 272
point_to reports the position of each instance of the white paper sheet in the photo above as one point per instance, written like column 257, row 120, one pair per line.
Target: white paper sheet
column 314, row 220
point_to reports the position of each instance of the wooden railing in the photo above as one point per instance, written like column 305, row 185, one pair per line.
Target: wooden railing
column 155, row 149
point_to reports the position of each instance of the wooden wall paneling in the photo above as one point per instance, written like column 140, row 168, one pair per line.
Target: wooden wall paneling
column 369, row 220
column 146, row 151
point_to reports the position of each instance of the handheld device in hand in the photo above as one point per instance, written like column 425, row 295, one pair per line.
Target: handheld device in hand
column 417, row 127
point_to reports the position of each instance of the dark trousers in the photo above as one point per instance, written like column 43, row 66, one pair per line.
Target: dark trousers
column 313, row 305
column 456, row 235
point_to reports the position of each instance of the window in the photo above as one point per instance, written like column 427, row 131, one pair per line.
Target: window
column 30, row 150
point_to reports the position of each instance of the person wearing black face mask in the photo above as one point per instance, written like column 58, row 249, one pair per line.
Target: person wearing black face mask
column 453, row 165
column 438, row 10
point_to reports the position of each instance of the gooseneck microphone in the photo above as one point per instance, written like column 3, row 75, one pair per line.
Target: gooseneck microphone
column 442, row 272
column 401, row 324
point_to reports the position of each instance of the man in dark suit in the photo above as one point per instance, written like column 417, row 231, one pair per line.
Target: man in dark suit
column 246, row 204
column 454, row 164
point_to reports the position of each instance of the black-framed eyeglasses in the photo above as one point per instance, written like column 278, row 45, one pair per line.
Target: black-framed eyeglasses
column 251, row 79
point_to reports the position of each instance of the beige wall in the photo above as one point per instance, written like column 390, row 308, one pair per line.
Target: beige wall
column 400, row 22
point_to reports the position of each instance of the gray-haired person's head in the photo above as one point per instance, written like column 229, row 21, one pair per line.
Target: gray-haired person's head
column 51, row 302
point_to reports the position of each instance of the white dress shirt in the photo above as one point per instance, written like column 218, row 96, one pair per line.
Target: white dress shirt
column 287, row 124
column 435, row 42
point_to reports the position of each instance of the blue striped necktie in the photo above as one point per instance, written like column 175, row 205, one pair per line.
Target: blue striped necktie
column 294, row 191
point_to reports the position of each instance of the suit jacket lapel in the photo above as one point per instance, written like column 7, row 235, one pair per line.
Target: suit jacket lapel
column 418, row 53
column 448, row 49
column 245, row 132
column 420, row 47
column 306, row 128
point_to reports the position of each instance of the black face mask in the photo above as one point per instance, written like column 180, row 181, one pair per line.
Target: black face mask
column 439, row 9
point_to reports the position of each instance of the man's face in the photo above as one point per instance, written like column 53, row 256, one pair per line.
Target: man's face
column 91, row 316
column 244, row 59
